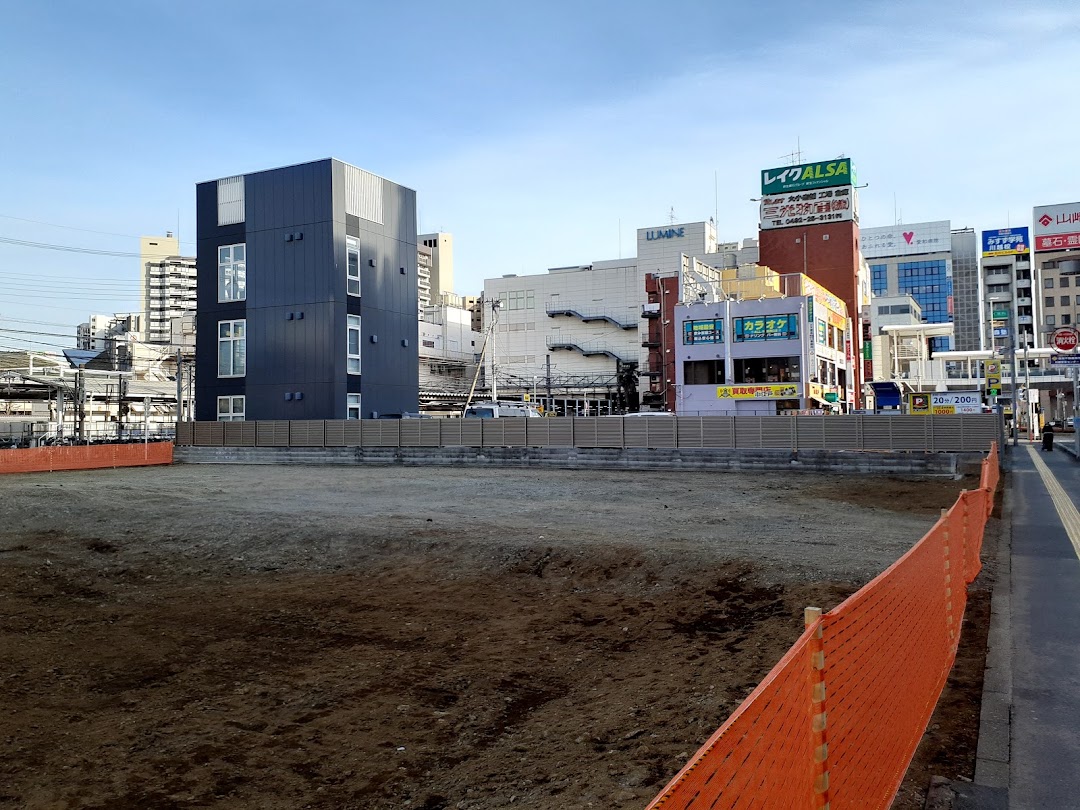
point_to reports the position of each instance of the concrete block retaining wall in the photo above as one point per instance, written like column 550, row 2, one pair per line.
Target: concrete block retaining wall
column 830, row 461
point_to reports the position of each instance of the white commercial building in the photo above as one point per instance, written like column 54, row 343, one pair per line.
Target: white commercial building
column 434, row 267
column 570, row 331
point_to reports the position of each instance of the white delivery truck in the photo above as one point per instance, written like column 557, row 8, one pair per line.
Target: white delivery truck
column 500, row 410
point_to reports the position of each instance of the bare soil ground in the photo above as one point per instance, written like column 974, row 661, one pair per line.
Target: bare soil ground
column 288, row 637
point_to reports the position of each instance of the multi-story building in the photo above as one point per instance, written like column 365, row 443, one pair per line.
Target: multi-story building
column 1008, row 293
column 449, row 355
column 577, row 330
column 104, row 332
column 916, row 260
column 810, row 225
column 435, row 267
column 1056, row 232
column 169, row 283
column 760, row 344
column 307, row 295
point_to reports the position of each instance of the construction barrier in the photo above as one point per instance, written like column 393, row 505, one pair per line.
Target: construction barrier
column 85, row 457
column 836, row 723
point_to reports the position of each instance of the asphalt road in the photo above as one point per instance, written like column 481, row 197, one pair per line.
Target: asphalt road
column 1045, row 631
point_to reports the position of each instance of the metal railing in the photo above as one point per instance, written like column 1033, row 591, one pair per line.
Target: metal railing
column 926, row 434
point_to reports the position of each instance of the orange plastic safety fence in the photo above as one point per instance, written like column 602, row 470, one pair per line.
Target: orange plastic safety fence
column 762, row 756
column 85, row 457
column 888, row 650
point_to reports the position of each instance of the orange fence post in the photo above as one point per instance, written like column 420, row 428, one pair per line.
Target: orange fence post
column 945, row 550
column 818, row 741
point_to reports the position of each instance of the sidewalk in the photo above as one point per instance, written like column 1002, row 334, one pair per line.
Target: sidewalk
column 1029, row 741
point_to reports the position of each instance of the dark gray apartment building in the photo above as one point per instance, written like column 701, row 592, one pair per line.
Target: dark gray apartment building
column 306, row 295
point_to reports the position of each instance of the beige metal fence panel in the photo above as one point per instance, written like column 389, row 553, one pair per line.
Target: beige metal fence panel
column 840, row 432
column 718, row 431
column 429, row 433
column 550, row 432
column 912, row 433
column 492, row 434
column 380, row 432
column 980, row 431
column 599, row 431
column 409, row 431
column 688, row 431
column 334, row 432
column 272, row 434
column 514, row 432
column 239, row 434
column 947, row 432
column 185, row 433
column 209, row 434
column 760, row 432
column 306, row 433
column 650, row 432
column 353, row 433
column 809, row 432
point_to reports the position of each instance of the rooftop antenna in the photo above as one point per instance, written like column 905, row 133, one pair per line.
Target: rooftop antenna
column 716, row 197
column 794, row 158
column 671, row 215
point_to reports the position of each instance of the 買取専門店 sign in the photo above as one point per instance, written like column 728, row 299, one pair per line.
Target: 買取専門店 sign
column 783, row 391
column 945, row 402
column 823, row 174
column 795, row 208
column 1057, row 227
column 1005, row 242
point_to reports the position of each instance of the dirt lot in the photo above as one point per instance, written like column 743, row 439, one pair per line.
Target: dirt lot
column 286, row 637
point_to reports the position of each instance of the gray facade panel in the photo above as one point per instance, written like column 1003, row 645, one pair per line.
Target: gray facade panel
column 308, row 354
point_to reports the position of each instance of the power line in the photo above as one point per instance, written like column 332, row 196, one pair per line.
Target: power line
column 84, row 230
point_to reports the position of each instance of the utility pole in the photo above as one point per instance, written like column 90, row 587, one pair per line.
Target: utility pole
column 179, row 386
column 1012, row 375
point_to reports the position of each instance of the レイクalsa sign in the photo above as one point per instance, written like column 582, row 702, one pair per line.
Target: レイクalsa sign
column 823, row 174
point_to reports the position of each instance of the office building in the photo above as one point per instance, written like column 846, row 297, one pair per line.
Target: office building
column 809, row 224
column 916, row 260
column 307, row 295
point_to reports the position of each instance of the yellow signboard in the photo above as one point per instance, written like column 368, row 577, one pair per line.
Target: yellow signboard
column 783, row 391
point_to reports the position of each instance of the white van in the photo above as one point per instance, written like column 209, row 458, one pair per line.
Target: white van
column 500, row 410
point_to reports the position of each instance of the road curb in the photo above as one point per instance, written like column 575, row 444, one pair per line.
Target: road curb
column 993, row 753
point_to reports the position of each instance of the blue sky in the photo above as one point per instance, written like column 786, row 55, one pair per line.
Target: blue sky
column 532, row 132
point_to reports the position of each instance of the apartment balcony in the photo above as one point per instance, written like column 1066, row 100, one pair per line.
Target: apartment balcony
column 999, row 278
column 1023, row 302
column 650, row 311
column 1023, row 282
column 1024, row 319
column 1023, row 265
column 999, row 298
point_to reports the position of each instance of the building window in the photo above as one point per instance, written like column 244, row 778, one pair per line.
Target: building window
column 352, row 253
column 1063, row 281
column 354, row 344
column 703, row 372
column 232, row 273
column 230, row 409
column 232, row 348
column 927, row 281
column 1048, row 283
column 352, row 408
column 530, row 300
column 879, row 281
column 1049, row 300
column 1066, row 320
column 707, row 331
column 1050, row 321
column 1064, row 301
